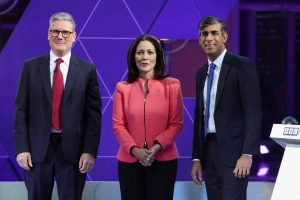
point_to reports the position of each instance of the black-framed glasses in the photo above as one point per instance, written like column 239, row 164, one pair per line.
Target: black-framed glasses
column 65, row 34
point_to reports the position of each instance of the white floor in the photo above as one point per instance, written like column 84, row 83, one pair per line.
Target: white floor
column 110, row 191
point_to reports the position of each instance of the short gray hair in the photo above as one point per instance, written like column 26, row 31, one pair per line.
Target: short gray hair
column 62, row 16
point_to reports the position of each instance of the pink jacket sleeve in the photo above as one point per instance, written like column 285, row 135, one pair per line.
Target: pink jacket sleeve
column 175, row 123
column 119, row 121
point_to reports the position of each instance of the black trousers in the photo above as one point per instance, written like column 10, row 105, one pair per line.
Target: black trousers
column 220, row 182
column 155, row 182
column 40, row 179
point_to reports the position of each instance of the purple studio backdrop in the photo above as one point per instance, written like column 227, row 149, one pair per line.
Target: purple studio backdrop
column 105, row 29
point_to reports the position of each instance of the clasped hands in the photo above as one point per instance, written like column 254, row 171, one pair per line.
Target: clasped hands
column 146, row 156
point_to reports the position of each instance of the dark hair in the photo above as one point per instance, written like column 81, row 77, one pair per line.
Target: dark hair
column 210, row 20
column 159, row 68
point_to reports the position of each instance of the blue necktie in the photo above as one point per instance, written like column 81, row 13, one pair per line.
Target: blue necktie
column 210, row 78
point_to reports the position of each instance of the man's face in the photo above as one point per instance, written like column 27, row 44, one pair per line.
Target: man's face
column 61, row 37
column 213, row 41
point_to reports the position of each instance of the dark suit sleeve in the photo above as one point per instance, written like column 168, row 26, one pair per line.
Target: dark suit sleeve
column 92, row 115
column 198, row 135
column 21, row 142
column 251, row 102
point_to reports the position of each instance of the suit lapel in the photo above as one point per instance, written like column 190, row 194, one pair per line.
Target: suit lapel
column 71, row 77
column 223, row 74
column 45, row 73
column 202, row 79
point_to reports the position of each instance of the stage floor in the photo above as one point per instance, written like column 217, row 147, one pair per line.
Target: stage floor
column 109, row 190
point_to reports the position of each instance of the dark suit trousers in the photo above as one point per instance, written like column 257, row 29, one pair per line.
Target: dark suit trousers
column 220, row 182
column 40, row 179
column 155, row 182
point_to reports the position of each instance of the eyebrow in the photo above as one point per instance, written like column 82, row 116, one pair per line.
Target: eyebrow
column 206, row 32
column 145, row 49
column 60, row 30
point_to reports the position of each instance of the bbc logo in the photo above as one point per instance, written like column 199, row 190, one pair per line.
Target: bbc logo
column 291, row 131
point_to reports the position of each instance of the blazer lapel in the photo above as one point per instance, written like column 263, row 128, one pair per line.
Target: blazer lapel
column 71, row 77
column 202, row 79
column 45, row 73
column 223, row 74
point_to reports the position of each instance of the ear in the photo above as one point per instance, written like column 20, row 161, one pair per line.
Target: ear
column 225, row 36
column 199, row 39
column 74, row 36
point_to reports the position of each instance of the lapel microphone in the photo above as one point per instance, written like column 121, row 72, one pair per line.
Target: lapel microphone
column 146, row 88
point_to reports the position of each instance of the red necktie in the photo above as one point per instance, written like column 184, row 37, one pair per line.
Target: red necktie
column 57, row 92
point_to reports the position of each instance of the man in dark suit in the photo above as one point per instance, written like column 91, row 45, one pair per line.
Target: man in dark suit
column 57, row 117
column 227, row 116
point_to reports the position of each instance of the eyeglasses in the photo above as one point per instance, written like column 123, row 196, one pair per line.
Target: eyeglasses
column 65, row 34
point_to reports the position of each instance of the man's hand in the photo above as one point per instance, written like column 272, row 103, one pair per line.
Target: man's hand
column 196, row 172
column 86, row 163
column 24, row 160
column 243, row 165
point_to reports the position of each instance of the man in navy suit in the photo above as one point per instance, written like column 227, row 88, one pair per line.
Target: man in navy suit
column 227, row 135
column 57, row 136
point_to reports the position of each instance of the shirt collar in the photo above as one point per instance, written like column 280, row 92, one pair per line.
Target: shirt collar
column 65, row 58
column 218, row 62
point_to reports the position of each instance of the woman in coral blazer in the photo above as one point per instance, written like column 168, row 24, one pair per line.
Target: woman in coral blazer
column 147, row 118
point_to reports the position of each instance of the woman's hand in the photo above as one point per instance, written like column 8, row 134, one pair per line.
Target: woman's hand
column 154, row 149
column 142, row 155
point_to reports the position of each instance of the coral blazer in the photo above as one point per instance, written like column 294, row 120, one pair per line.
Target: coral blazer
column 156, row 117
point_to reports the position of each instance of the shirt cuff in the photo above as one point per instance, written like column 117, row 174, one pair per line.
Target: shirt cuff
column 157, row 142
column 131, row 150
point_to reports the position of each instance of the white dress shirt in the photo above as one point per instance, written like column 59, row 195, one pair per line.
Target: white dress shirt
column 64, row 66
column 213, row 93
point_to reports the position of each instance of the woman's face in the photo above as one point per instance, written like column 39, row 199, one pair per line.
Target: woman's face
column 145, row 58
